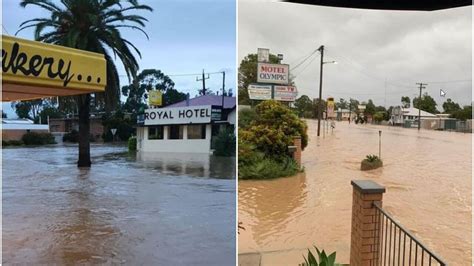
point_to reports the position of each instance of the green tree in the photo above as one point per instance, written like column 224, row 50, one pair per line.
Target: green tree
column 316, row 108
column 28, row 109
column 49, row 112
column 248, row 75
column 369, row 108
column 464, row 113
column 427, row 104
column 343, row 104
column 147, row 80
column 354, row 105
column 450, row 107
column 405, row 102
column 304, row 106
column 91, row 25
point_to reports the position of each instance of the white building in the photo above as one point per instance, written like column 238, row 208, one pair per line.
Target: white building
column 187, row 127
column 399, row 115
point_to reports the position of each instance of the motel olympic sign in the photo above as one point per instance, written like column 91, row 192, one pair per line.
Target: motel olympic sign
column 182, row 115
column 273, row 73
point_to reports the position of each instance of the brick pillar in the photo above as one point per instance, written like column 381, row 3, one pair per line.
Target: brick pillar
column 364, row 242
column 297, row 153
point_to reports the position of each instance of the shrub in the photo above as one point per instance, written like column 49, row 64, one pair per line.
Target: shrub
column 34, row 138
column 246, row 116
column 322, row 257
column 371, row 162
column 274, row 128
column 267, row 168
column 132, row 144
column 224, row 143
column 72, row 136
column 12, row 143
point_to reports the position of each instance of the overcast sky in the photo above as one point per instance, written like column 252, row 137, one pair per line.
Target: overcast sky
column 186, row 36
column 370, row 46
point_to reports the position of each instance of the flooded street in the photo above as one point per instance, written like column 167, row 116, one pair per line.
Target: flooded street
column 427, row 176
column 127, row 209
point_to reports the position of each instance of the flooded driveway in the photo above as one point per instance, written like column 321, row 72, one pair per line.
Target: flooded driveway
column 427, row 176
column 127, row 209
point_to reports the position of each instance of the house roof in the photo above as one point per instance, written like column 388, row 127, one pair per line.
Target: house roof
column 16, row 121
column 229, row 102
column 414, row 112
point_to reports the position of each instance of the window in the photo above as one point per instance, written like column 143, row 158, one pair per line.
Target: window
column 196, row 131
column 175, row 132
column 155, row 132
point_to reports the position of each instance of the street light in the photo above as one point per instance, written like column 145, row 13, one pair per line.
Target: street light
column 321, row 49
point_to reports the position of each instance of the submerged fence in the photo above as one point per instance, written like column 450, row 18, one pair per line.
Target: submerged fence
column 397, row 246
column 376, row 238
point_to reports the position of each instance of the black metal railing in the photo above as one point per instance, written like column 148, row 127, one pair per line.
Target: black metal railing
column 397, row 246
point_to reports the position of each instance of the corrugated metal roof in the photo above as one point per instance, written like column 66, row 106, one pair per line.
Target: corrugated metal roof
column 414, row 112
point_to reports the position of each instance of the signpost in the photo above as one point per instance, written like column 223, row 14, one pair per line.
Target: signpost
column 113, row 130
column 285, row 93
column 273, row 73
column 260, row 92
column 263, row 55
column 155, row 98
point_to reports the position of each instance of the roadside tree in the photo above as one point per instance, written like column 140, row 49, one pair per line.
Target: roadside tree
column 92, row 26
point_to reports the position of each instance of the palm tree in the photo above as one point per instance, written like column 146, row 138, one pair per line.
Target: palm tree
column 92, row 25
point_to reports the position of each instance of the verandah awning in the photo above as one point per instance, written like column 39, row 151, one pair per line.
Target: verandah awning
column 33, row 70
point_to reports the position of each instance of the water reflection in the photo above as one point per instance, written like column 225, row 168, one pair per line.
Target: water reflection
column 126, row 209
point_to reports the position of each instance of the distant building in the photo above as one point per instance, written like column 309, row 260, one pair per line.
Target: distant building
column 14, row 129
column 400, row 115
column 68, row 124
column 344, row 114
column 187, row 126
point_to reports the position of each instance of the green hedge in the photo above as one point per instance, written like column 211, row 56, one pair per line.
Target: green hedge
column 132, row 144
column 224, row 143
column 34, row 138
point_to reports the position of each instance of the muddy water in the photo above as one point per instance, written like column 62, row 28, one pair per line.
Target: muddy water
column 427, row 176
column 145, row 210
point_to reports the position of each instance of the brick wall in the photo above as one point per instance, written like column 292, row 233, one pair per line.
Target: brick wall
column 297, row 153
column 364, row 242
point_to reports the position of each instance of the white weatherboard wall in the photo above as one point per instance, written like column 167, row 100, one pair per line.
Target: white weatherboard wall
column 175, row 145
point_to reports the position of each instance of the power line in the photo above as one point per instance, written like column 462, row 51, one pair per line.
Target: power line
column 304, row 60
column 303, row 69
column 5, row 29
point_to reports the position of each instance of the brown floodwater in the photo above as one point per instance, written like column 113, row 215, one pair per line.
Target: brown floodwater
column 150, row 209
column 427, row 176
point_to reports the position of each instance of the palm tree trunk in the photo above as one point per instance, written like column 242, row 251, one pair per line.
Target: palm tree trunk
column 84, row 131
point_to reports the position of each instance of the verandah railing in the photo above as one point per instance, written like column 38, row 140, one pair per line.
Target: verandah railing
column 397, row 246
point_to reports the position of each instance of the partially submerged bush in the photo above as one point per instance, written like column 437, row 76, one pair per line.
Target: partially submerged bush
column 132, row 144
column 34, row 138
column 274, row 128
column 224, row 143
column 324, row 259
column 253, row 164
column 72, row 136
column 371, row 162
column 12, row 143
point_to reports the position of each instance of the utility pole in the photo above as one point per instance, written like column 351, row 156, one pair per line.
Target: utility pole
column 203, row 79
column 419, row 103
column 223, row 88
column 320, row 104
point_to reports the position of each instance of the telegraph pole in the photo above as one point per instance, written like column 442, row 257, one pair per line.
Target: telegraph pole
column 203, row 79
column 419, row 104
column 320, row 104
column 223, row 88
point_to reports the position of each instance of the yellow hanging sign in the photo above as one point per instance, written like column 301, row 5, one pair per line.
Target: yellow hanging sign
column 155, row 98
column 34, row 70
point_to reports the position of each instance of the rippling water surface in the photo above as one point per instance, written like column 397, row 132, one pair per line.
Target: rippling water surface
column 427, row 176
column 148, row 209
